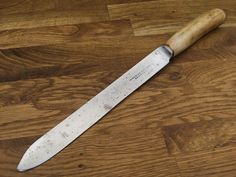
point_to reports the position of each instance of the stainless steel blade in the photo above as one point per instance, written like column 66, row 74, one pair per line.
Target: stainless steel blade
column 73, row 126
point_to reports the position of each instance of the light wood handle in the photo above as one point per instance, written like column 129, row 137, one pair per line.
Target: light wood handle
column 195, row 30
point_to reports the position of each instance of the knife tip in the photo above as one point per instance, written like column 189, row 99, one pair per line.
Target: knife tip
column 33, row 157
column 24, row 163
column 20, row 167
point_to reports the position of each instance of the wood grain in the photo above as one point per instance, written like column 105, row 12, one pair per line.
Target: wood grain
column 202, row 135
column 18, row 38
column 161, row 17
column 218, row 163
column 55, row 55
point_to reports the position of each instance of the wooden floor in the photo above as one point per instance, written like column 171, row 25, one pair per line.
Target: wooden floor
column 57, row 54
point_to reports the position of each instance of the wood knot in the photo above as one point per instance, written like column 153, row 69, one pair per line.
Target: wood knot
column 81, row 166
column 175, row 76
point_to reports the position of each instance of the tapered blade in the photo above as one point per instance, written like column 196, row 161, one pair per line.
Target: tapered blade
column 73, row 126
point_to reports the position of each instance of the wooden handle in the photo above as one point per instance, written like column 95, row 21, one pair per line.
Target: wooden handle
column 195, row 30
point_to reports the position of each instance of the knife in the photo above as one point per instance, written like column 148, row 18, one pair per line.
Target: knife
column 78, row 122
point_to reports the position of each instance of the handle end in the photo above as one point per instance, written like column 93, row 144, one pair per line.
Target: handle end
column 195, row 30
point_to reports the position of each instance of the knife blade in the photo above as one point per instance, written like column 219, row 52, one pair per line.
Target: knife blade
column 78, row 122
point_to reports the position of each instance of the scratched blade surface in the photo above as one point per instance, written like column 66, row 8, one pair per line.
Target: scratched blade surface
column 78, row 122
